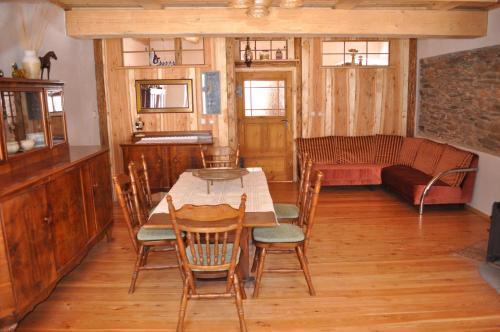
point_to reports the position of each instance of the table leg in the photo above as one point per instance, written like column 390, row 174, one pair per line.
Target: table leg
column 208, row 187
column 245, row 260
column 241, row 179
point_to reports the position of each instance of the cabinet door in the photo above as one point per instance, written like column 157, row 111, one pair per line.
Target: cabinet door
column 155, row 156
column 183, row 157
column 68, row 216
column 102, row 196
column 29, row 244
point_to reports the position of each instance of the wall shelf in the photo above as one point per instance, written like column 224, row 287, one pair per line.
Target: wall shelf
column 161, row 67
column 268, row 63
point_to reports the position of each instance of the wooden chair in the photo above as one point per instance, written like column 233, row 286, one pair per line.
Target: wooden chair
column 144, row 199
column 143, row 177
column 206, row 249
column 220, row 156
column 288, row 238
column 291, row 211
column 143, row 240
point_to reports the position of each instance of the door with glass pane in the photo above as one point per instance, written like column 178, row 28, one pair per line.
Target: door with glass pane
column 265, row 122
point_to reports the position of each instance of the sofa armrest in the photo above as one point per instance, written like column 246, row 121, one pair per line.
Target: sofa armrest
column 437, row 177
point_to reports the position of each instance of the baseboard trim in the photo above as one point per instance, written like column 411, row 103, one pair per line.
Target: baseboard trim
column 477, row 212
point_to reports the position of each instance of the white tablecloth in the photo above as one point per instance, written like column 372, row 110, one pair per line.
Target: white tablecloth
column 190, row 189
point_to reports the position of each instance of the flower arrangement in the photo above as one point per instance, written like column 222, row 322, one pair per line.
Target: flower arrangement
column 33, row 28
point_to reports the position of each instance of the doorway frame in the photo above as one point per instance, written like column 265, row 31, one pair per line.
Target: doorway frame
column 295, row 102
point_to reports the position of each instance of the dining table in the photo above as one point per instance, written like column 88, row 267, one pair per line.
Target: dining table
column 259, row 212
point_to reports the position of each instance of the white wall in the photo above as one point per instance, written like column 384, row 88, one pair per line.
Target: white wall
column 74, row 66
column 487, row 188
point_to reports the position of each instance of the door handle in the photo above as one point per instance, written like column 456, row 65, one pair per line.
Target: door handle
column 285, row 122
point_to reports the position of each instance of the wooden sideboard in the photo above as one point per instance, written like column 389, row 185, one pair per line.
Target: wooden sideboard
column 55, row 200
column 166, row 161
column 52, row 213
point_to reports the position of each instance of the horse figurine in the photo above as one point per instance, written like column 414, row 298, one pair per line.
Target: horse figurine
column 45, row 63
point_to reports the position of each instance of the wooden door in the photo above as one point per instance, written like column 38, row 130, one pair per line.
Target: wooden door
column 68, row 216
column 30, row 244
column 264, row 106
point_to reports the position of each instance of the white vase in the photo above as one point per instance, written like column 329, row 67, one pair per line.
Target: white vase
column 31, row 64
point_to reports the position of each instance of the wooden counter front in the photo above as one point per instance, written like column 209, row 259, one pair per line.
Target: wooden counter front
column 51, row 213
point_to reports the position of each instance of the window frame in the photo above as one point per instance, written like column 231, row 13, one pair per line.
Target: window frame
column 346, row 54
column 254, row 49
column 177, row 52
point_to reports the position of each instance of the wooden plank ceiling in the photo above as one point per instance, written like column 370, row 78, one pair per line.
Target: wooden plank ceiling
column 335, row 4
column 363, row 18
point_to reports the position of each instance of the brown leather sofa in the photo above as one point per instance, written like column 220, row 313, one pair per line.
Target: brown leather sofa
column 420, row 170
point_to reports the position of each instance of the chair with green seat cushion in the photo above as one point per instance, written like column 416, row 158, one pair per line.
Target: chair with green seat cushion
column 144, row 199
column 288, row 238
column 286, row 211
column 211, row 244
column 292, row 211
column 212, row 255
column 144, row 240
column 283, row 233
column 153, row 234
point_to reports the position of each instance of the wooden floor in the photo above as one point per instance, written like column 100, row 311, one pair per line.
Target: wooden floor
column 375, row 266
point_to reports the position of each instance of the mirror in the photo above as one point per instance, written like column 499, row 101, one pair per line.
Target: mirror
column 56, row 116
column 164, row 96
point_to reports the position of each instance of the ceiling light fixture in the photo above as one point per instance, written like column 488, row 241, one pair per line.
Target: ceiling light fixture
column 259, row 9
column 291, row 3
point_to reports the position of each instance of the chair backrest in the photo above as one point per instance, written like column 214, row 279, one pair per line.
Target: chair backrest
column 220, row 156
column 305, row 173
column 207, row 230
column 123, row 187
column 308, row 210
column 142, row 198
column 145, row 179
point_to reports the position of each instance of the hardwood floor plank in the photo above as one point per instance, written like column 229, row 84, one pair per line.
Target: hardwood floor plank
column 375, row 264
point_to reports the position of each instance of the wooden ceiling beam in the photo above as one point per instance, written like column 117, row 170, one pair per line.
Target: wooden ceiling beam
column 347, row 4
column 339, row 4
column 211, row 21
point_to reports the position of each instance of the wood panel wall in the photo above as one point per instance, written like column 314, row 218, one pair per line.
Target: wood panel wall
column 353, row 101
column 121, row 98
column 327, row 101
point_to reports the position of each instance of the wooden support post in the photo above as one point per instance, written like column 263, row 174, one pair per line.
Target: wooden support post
column 101, row 92
column 412, row 87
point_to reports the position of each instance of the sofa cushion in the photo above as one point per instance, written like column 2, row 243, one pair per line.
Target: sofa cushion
column 428, row 155
column 453, row 158
column 349, row 174
column 410, row 183
column 409, row 150
column 387, row 149
column 355, row 150
column 319, row 149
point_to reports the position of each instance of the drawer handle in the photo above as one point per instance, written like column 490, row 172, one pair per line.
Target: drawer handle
column 47, row 220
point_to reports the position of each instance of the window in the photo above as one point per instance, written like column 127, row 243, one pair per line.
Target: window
column 168, row 51
column 264, row 98
column 265, row 49
column 366, row 53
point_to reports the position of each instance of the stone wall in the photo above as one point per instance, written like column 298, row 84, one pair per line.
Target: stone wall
column 460, row 98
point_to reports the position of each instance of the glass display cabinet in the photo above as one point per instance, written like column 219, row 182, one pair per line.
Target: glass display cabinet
column 32, row 116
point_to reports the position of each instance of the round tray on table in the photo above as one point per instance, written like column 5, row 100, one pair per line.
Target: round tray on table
column 220, row 174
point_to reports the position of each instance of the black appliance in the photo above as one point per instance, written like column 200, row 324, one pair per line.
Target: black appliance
column 493, row 253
